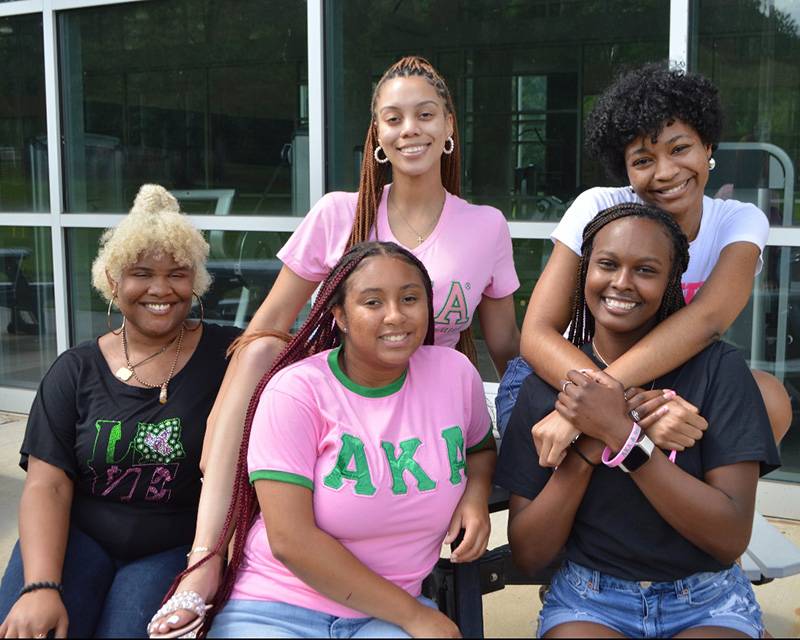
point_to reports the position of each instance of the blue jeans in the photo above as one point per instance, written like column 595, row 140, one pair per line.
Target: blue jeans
column 263, row 619
column 651, row 610
column 104, row 597
column 508, row 390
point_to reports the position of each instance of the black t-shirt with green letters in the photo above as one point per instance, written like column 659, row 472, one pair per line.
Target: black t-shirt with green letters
column 134, row 460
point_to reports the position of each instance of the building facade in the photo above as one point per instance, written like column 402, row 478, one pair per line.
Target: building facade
column 250, row 110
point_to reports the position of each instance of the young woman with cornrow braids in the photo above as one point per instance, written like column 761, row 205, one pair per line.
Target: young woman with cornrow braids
column 644, row 556
column 656, row 129
column 466, row 249
column 359, row 466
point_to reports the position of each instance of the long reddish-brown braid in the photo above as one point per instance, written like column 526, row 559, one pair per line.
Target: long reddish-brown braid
column 318, row 333
column 374, row 176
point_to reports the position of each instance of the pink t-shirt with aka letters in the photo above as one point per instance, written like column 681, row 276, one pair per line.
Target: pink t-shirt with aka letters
column 386, row 466
column 468, row 254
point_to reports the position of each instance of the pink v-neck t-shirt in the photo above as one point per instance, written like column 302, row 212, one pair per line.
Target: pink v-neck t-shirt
column 386, row 466
column 468, row 254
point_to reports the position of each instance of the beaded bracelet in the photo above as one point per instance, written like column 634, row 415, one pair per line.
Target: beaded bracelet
column 35, row 586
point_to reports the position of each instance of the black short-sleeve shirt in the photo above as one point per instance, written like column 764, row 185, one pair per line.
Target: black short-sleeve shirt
column 134, row 461
column 616, row 530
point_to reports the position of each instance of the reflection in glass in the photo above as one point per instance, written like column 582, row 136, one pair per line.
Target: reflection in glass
column 242, row 264
column 27, row 315
column 523, row 75
column 530, row 256
column 23, row 130
column 189, row 94
column 750, row 50
column 768, row 334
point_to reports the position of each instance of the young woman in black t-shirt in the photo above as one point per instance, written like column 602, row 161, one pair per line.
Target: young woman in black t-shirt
column 645, row 556
column 113, row 441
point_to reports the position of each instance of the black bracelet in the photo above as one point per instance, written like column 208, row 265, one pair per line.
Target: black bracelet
column 35, row 586
column 574, row 445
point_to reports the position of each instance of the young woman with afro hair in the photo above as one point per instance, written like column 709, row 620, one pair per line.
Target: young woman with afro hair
column 655, row 129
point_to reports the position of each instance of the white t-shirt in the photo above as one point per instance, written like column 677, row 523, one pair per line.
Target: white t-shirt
column 386, row 466
column 722, row 223
column 468, row 254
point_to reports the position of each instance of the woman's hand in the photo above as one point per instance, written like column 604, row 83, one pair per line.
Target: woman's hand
column 35, row 614
column 551, row 437
column 430, row 623
column 473, row 516
column 595, row 404
column 670, row 421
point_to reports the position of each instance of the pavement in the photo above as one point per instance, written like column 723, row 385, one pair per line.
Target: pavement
column 510, row 613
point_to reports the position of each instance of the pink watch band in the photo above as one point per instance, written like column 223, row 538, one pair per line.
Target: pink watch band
column 633, row 438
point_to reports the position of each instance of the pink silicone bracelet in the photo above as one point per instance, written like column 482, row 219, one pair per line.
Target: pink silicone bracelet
column 626, row 449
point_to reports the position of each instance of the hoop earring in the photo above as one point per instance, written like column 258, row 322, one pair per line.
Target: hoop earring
column 711, row 164
column 108, row 318
column 377, row 159
column 452, row 145
column 202, row 313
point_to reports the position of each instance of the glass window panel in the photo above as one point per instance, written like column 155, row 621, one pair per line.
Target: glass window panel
column 768, row 334
column 23, row 129
column 750, row 50
column 27, row 312
column 523, row 74
column 208, row 100
column 530, row 256
column 242, row 264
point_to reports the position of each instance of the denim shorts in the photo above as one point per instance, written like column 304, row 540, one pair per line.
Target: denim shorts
column 651, row 610
column 508, row 390
column 265, row 619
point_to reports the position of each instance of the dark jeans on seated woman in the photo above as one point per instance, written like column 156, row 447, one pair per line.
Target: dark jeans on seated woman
column 105, row 597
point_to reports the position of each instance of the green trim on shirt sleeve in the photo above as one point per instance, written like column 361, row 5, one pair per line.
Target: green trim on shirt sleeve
column 281, row 476
column 486, row 443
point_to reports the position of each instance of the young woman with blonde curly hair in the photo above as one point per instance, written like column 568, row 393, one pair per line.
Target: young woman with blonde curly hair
column 466, row 249
column 113, row 441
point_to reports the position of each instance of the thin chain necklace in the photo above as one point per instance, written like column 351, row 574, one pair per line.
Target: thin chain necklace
column 125, row 373
column 597, row 354
column 605, row 364
column 420, row 237
column 162, row 396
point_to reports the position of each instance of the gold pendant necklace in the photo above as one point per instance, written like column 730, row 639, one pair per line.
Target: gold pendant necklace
column 125, row 373
column 162, row 395
column 420, row 237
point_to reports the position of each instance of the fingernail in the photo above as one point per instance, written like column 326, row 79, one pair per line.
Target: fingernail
column 669, row 393
column 663, row 410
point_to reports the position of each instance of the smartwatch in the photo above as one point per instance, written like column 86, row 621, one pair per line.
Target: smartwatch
column 638, row 455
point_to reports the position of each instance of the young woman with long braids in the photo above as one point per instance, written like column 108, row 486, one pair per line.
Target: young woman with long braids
column 466, row 249
column 359, row 466
column 644, row 554
column 655, row 128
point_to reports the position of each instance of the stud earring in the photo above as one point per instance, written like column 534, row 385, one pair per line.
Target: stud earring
column 711, row 164
column 447, row 150
column 377, row 157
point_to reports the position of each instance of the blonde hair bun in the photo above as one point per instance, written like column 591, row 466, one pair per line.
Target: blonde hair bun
column 154, row 225
column 153, row 198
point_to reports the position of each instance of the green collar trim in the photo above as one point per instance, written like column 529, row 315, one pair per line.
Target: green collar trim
column 367, row 392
